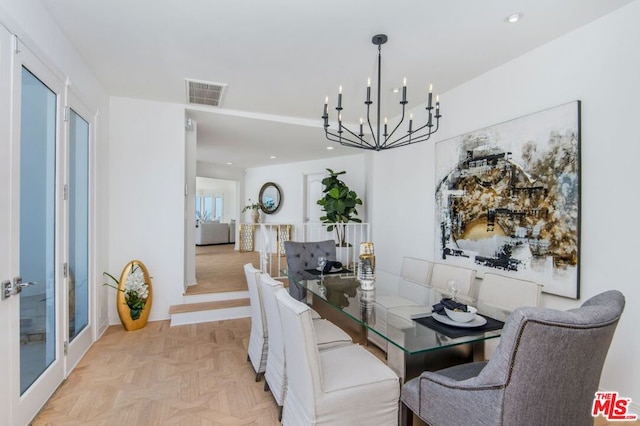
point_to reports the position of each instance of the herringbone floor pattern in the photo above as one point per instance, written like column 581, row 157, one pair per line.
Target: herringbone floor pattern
column 160, row 375
column 219, row 269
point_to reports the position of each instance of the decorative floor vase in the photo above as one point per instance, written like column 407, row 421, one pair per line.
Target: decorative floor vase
column 124, row 312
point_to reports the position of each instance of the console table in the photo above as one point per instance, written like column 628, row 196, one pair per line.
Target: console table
column 248, row 230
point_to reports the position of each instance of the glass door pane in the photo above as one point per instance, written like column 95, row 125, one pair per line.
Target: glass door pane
column 78, row 277
column 198, row 208
column 208, row 207
column 37, row 228
column 219, row 209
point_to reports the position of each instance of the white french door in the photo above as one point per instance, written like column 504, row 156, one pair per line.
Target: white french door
column 78, row 292
column 44, row 263
column 6, row 172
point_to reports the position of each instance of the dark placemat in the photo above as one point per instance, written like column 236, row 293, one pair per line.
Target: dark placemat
column 453, row 332
column 316, row 272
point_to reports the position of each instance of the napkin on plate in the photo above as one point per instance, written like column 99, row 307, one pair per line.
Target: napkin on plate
column 448, row 303
column 331, row 264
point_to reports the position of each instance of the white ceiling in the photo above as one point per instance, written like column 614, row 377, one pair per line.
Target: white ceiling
column 280, row 58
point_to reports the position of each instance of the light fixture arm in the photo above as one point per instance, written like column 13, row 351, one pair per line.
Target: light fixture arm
column 384, row 141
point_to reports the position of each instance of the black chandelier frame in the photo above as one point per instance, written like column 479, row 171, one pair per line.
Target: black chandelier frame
column 357, row 140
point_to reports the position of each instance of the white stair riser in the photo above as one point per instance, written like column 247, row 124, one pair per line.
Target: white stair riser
column 214, row 297
column 209, row 315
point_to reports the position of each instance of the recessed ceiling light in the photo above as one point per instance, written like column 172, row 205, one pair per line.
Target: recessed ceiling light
column 513, row 18
column 272, row 157
column 229, row 163
column 329, row 148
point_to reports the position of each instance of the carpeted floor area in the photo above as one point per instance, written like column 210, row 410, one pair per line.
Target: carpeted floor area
column 219, row 269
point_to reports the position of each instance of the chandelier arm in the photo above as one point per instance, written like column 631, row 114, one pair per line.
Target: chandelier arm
column 418, row 138
column 333, row 137
column 362, row 140
column 426, row 136
column 373, row 135
column 350, row 143
column 386, row 140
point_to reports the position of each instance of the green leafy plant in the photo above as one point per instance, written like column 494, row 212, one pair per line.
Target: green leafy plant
column 339, row 203
column 203, row 216
column 135, row 290
column 252, row 206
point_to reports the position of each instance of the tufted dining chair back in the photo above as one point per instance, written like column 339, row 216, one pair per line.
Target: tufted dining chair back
column 304, row 255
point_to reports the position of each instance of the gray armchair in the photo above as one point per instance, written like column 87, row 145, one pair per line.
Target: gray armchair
column 545, row 371
column 301, row 256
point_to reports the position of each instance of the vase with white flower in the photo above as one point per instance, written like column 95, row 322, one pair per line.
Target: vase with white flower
column 134, row 296
column 255, row 210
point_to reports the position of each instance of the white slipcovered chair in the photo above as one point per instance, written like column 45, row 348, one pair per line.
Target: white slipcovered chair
column 345, row 385
column 327, row 334
column 412, row 290
column 258, row 346
column 499, row 295
column 465, row 279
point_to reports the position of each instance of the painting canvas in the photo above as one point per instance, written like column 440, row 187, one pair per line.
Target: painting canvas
column 508, row 199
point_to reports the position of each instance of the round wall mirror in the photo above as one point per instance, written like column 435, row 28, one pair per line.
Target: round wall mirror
column 270, row 198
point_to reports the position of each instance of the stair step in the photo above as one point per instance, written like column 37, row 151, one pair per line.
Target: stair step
column 214, row 297
column 220, row 310
column 205, row 306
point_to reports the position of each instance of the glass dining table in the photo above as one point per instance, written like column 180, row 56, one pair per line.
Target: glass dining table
column 414, row 341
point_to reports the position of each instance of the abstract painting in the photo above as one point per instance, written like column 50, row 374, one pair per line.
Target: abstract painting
column 508, row 199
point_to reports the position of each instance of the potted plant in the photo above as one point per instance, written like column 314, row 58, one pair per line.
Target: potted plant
column 255, row 214
column 339, row 203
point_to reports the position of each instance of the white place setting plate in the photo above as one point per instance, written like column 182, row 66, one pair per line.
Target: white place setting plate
column 319, row 269
column 478, row 321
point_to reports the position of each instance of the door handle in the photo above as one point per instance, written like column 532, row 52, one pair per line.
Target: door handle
column 11, row 289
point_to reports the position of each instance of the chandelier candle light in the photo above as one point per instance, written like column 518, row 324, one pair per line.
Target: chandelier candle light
column 357, row 140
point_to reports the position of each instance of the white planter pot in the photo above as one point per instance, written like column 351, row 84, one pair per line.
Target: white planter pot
column 345, row 255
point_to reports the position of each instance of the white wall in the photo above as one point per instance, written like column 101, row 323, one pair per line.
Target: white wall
column 290, row 179
column 191, row 138
column 147, row 196
column 598, row 64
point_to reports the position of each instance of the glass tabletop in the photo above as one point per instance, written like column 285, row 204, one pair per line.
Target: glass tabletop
column 378, row 311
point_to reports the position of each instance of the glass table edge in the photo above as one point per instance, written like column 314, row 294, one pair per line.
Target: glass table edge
column 488, row 335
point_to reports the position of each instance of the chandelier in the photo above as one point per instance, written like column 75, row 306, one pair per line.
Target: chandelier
column 347, row 137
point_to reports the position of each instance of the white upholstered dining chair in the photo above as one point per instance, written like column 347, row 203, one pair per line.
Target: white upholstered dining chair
column 257, row 351
column 499, row 295
column 327, row 334
column 412, row 290
column 345, row 385
column 465, row 280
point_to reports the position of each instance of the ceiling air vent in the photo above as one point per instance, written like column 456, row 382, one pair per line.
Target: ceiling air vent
column 204, row 92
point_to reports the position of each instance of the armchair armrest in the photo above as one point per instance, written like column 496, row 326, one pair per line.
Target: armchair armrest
column 442, row 396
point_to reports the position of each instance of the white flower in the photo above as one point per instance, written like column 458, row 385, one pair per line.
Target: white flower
column 135, row 284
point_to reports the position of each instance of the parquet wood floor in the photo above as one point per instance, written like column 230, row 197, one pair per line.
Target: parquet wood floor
column 219, row 269
column 160, row 375
column 192, row 375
